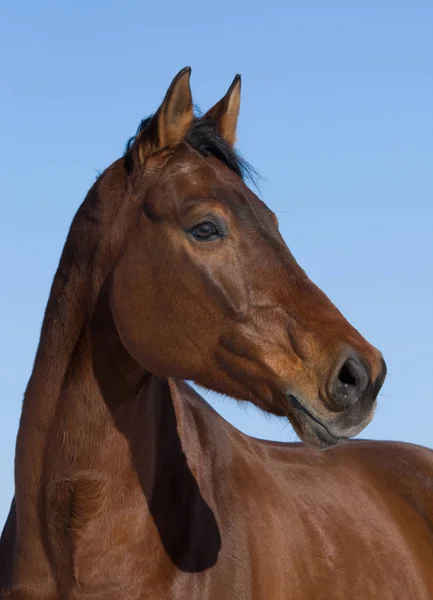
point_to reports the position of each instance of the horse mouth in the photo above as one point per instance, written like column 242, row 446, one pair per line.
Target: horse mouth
column 310, row 429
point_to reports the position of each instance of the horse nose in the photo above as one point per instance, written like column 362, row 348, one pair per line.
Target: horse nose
column 349, row 381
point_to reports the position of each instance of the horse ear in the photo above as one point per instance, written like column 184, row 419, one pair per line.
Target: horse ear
column 225, row 113
column 169, row 125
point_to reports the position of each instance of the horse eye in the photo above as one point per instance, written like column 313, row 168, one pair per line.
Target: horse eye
column 205, row 231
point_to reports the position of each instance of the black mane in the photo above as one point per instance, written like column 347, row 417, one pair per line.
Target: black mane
column 204, row 137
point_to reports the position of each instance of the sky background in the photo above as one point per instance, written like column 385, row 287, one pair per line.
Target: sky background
column 337, row 116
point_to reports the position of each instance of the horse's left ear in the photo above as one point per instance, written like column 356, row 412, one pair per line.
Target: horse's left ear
column 225, row 113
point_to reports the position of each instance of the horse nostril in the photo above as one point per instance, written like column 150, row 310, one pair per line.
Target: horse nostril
column 350, row 383
column 347, row 375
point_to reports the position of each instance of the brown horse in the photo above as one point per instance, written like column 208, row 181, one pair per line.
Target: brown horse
column 127, row 484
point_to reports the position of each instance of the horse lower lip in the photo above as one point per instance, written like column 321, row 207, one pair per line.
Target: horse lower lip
column 320, row 429
column 326, row 436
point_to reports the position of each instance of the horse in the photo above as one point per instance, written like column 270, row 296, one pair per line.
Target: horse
column 128, row 485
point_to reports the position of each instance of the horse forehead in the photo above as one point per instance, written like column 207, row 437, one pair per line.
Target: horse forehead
column 193, row 175
column 187, row 176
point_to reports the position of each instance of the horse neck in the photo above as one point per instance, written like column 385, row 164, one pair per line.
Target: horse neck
column 96, row 427
column 89, row 408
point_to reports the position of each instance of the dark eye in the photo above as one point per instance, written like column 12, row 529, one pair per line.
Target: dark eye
column 205, row 231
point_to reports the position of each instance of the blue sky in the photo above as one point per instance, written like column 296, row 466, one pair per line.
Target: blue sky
column 337, row 116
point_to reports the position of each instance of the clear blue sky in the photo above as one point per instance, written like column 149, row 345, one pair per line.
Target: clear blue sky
column 337, row 115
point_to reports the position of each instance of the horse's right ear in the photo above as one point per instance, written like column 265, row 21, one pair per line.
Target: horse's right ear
column 169, row 125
